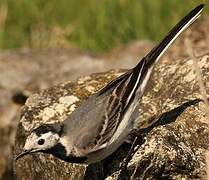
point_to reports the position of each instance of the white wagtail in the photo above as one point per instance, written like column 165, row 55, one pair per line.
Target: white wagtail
column 104, row 121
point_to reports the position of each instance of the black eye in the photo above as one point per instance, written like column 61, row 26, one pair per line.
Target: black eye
column 41, row 141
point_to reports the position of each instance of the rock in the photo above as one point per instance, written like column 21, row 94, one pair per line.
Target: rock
column 174, row 146
column 172, row 122
column 172, row 151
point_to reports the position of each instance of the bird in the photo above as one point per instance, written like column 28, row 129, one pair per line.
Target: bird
column 104, row 121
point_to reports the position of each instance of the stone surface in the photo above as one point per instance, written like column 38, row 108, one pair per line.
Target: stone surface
column 174, row 139
column 172, row 151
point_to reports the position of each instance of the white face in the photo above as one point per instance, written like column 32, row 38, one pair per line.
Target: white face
column 45, row 141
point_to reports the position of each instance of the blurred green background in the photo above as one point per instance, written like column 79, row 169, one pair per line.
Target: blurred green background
column 95, row 25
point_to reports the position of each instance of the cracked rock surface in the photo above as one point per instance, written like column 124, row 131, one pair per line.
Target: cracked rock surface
column 173, row 127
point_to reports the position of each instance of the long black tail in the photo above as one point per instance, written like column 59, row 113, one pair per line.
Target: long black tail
column 125, row 86
column 158, row 50
column 139, row 76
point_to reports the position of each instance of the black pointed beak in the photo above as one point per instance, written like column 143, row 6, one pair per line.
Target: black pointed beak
column 23, row 153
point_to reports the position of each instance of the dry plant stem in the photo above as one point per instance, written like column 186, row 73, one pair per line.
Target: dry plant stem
column 207, row 164
column 199, row 76
column 202, row 91
column 3, row 15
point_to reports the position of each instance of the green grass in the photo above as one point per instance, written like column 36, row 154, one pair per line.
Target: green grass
column 95, row 25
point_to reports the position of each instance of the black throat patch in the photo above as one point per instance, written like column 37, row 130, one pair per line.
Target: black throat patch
column 60, row 152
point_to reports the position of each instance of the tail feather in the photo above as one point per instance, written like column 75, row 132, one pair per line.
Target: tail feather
column 158, row 51
column 141, row 72
column 125, row 86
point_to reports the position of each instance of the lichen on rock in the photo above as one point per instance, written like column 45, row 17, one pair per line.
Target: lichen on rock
column 172, row 124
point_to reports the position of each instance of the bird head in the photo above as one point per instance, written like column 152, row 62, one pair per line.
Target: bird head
column 42, row 139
